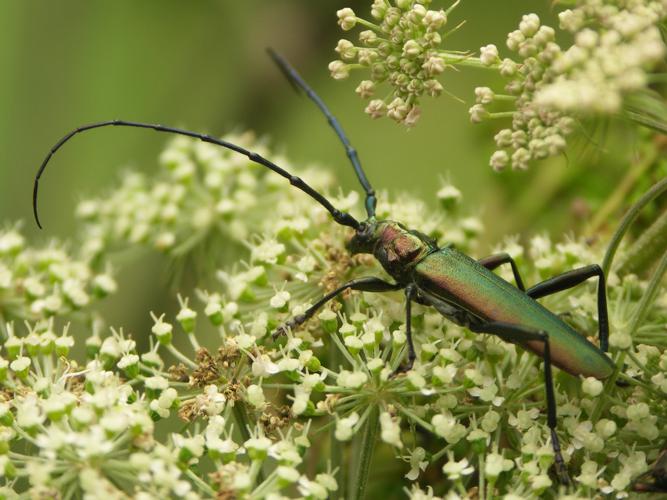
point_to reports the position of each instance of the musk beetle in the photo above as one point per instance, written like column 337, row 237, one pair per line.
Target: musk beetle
column 464, row 290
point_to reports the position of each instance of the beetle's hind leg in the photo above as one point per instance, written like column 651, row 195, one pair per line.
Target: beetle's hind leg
column 571, row 279
column 366, row 284
column 521, row 334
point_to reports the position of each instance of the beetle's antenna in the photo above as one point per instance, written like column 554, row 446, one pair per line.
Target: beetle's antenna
column 296, row 81
column 340, row 217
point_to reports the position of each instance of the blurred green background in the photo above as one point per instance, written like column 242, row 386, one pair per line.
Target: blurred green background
column 201, row 65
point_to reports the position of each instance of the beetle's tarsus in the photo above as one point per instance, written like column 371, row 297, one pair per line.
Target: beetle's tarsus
column 561, row 472
column 288, row 326
column 560, row 467
column 403, row 368
column 283, row 329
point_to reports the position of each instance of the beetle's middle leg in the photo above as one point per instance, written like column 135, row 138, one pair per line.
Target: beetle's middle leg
column 520, row 334
column 366, row 284
column 571, row 279
column 498, row 259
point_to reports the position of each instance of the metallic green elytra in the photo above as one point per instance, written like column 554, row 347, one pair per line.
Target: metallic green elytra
column 447, row 275
column 462, row 289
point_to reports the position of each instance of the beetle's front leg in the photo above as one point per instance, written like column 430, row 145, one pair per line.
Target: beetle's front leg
column 520, row 334
column 410, row 295
column 367, row 284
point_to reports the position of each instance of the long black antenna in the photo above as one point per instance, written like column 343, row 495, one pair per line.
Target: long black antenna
column 340, row 217
column 298, row 82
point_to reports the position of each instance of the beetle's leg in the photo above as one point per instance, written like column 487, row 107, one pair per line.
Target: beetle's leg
column 571, row 279
column 498, row 259
column 367, row 284
column 520, row 334
column 655, row 479
column 410, row 295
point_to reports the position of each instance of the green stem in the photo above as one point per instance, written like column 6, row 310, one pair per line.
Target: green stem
column 482, row 486
column 502, row 114
column 242, row 420
column 621, row 191
column 648, row 247
column 181, row 357
column 463, row 60
column 366, row 455
column 649, row 295
column 336, row 455
column 199, row 482
column 369, row 25
column 504, row 97
column 263, row 489
column 637, row 319
column 452, row 7
column 411, row 416
column 628, row 219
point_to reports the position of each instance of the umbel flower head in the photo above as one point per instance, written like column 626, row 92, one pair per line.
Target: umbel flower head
column 401, row 46
column 212, row 406
column 549, row 87
column 615, row 46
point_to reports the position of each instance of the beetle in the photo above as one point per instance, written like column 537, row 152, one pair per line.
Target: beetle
column 462, row 289
column 655, row 479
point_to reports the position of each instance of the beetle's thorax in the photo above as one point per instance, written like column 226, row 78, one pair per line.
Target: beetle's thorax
column 397, row 248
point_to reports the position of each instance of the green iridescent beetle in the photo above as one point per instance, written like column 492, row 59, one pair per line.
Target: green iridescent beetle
column 462, row 289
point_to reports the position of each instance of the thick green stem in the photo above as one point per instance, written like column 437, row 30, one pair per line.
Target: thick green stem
column 336, row 455
column 628, row 219
column 243, row 422
column 647, row 249
column 638, row 318
column 367, row 446
column 649, row 295
column 621, row 192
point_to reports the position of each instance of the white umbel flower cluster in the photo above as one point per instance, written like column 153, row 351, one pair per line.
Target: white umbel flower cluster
column 209, row 404
column 401, row 46
column 616, row 42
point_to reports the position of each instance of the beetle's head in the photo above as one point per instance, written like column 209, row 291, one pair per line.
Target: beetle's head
column 364, row 238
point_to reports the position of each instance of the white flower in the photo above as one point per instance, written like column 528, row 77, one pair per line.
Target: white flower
column 280, row 299
column 256, row 396
column 346, row 19
column 499, row 160
column 447, row 427
column 434, row 19
column 258, row 447
column 345, row 427
column 592, row 386
column 478, row 113
column 262, row 366
column 495, row 464
column 352, row 380
column 390, row 430
column 529, row 24
column 339, row 70
column 417, row 463
column 488, row 55
column 376, row 108
column 455, row 470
